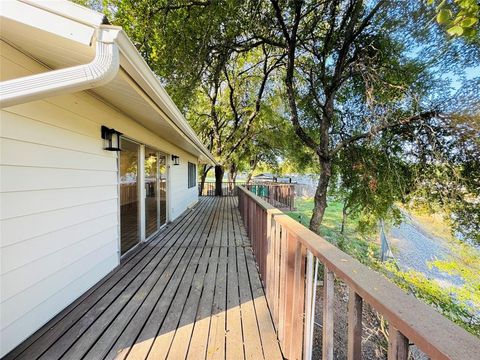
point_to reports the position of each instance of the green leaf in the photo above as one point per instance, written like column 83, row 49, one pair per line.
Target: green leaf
column 443, row 16
column 468, row 22
column 455, row 30
column 469, row 32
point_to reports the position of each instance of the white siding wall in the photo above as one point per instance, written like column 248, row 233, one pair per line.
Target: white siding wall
column 58, row 201
column 181, row 197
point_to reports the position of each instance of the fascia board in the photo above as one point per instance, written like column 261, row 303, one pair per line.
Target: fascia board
column 69, row 10
column 47, row 21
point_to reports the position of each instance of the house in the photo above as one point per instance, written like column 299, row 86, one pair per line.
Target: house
column 268, row 177
column 109, row 254
column 73, row 89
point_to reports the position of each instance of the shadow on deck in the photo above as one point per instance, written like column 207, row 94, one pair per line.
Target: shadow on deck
column 192, row 292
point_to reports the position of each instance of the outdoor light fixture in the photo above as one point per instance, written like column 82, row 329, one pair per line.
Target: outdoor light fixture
column 111, row 139
column 176, row 160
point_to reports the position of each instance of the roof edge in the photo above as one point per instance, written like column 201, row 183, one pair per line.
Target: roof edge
column 161, row 97
column 95, row 20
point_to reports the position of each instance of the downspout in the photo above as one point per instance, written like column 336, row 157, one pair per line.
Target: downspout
column 99, row 71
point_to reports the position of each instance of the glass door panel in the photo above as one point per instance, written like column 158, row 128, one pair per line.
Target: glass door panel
column 163, row 188
column 129, row 199
column 152, row 199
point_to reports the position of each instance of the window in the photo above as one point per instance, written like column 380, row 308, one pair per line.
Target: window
column 192, row 175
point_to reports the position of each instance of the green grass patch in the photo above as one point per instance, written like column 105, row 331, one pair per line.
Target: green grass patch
column 363, row 247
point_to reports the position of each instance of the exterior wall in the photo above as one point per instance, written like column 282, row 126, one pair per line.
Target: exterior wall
column 59, row 230
column 181, row 197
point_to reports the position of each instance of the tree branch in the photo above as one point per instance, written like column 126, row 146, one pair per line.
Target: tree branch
column 379, row 128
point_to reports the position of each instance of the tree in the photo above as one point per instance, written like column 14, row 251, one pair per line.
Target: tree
column 229, row 103
column 208, row 59
column 349, row 82
column 460, row 17
column 362, row 84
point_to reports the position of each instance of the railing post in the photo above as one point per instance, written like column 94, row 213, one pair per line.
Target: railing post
column 277, row 246
column 397, row 345
column 328, row 299
column 294, row 298
column 310, row 297
column 354, row 326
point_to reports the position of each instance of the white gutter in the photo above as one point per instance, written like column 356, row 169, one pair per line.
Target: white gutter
column 99, row 71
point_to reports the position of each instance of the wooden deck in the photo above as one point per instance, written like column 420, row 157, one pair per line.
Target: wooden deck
column 193, row 292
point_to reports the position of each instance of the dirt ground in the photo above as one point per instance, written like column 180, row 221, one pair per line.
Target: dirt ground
column 373, row 343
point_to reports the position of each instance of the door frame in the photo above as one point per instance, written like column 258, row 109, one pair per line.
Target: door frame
column 140, row 193
column 167, row 190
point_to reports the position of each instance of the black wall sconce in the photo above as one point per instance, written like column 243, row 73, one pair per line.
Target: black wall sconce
column 111, row 139
column 176, row 160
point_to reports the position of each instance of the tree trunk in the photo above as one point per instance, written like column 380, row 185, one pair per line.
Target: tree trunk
column 203, row 177
column 325, row 161
column 232, row 175
column 344, row 216
column 321, row 195
column 219, row 171
column 253, row 166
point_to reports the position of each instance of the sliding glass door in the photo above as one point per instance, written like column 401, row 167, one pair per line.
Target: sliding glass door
column 162, row 173
column 129, row 197
column 152, row 199
column 155, row 191
column 141, row 218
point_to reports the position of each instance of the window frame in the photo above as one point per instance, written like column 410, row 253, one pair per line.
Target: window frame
column 192, row 175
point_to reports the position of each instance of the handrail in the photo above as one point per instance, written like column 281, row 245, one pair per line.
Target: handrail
column 281, row 195
column 280, row 244
column 228, row 188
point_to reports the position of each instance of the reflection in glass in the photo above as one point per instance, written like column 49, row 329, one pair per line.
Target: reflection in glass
column 129, row 217
column 151, row 192
column 163, row 188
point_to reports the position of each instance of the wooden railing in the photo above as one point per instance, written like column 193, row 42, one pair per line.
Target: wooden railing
column 128, row 193
column 285, row 251
column 279, row 195
column 228, row 188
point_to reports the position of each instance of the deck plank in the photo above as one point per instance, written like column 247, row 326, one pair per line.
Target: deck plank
column 192, row 292
column 216, row 336
column 143, row 343
column 268, row 336
column 198, row 264
column 183, row 335
column 106, row 291
column 234, row 334
column 126, row 324
column 82, row 335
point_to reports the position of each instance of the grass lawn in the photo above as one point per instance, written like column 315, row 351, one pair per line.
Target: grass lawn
column 360, row 246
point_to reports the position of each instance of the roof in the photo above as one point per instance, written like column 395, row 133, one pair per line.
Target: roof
column 61, row 34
